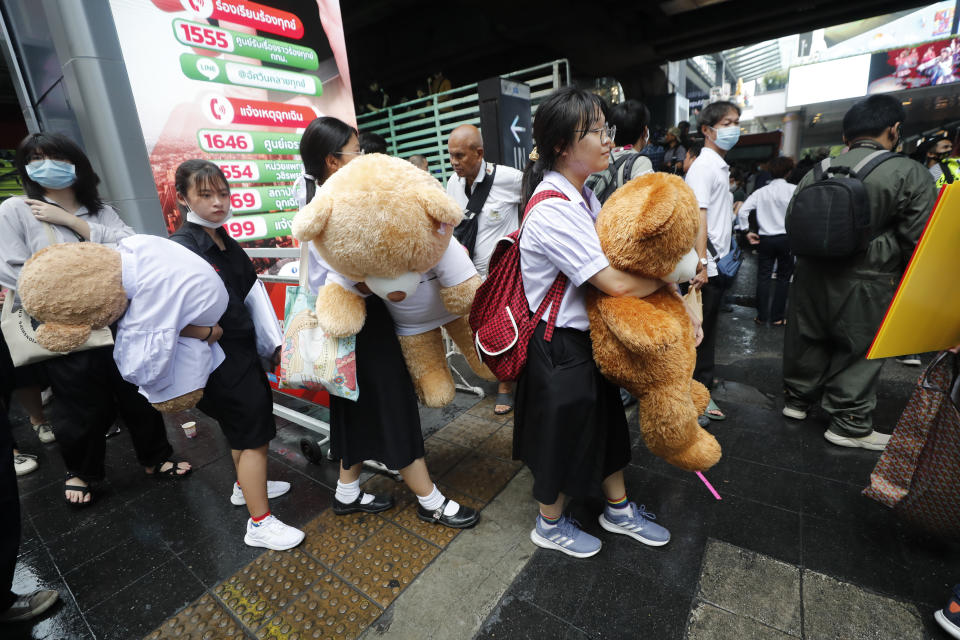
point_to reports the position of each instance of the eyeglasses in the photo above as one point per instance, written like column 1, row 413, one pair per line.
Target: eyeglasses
column 349, row 153
column 608, row 130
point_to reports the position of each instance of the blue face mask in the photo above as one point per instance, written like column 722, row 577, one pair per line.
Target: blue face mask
column 727, row 137
column 52, row 174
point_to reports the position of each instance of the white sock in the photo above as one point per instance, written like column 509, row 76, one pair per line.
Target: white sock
column 347, row 493
column 433, row 500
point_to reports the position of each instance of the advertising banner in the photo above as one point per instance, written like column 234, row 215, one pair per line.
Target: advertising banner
column 235, row 82
column 922, row 65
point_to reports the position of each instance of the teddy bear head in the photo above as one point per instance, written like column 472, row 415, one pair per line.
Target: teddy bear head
column 381, row 217
column 70, row 289
column 649, row 225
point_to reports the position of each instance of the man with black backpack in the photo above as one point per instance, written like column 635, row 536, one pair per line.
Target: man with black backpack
column 630, row 122
column 853, row 224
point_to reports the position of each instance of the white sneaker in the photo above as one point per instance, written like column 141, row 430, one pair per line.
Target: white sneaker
column 46, row 396
column 912, row 360
column 275, row 489
column 24, row 463
column 44, row 432
column 272, row 534
column 873, row 441
column 795, row 414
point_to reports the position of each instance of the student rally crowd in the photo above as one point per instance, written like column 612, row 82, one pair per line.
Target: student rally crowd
column 570, row 427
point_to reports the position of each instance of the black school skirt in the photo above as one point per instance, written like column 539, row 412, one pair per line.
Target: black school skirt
column 570, row 428
column 384, row 423
column 239, row 398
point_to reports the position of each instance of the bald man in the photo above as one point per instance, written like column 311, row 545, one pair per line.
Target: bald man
column 420, row 161
column 498, row 214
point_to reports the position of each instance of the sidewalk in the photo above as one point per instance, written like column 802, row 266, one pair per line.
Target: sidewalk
column 791, row 551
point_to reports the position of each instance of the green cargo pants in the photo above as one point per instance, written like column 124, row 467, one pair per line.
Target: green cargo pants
column 831, row 322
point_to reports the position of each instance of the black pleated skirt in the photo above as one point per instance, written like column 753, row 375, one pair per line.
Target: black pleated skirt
column 384, row 423
column 570, row 428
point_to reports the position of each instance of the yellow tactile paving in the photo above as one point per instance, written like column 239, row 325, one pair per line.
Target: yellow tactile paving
column 481, row 476
column 268, row 584
column 330, row 609
column 206, row 618
column 330, row 537
column 349, row 568
column 387, row 563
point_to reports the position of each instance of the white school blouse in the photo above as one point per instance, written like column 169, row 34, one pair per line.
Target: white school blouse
column 560, row 236
column 709, row 177
column 168, row 287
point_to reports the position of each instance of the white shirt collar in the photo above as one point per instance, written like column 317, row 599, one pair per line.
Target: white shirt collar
column 713, row 157
column 558, row 180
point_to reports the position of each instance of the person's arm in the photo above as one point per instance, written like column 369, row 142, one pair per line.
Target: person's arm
column 701, row 246
column 616, row 283
column 915, row 204
column 207, row 334
column 52, row 214
column 109, row 228
column 14, row 246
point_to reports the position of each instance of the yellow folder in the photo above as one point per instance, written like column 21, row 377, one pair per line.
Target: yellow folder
column 925, row 312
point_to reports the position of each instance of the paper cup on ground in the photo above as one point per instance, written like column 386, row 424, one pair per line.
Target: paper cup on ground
column 189, row 429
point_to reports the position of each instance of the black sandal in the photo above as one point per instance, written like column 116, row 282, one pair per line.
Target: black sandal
column 170, row 473
column 84, row 491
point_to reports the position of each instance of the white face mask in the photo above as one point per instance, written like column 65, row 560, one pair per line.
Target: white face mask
column 405, row 284
column 194, row 217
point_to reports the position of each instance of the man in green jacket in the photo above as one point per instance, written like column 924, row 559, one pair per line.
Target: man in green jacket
column 836, row 306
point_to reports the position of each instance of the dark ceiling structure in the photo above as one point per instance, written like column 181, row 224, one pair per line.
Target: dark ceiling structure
column 399, row 43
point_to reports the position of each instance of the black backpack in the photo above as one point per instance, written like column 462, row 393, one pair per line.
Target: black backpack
column 830, row 217
column 617, row 174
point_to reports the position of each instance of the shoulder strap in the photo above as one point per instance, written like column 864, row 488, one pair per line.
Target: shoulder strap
column 863, row 168
column 304, row 262
column 536, row 199
column 480, row 194
column 947, row 173
column 820, row 168
column 555, row 293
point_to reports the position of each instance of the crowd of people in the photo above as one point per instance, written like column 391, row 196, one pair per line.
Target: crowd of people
column 570, row 423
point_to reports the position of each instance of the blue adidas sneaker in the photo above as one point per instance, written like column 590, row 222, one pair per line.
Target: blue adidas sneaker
column 949, row 616
column 636, row 523
column 565, row 536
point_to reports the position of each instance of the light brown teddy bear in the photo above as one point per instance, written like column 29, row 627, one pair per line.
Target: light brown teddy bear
column 646, row 345
column 384, row 223
column 152, row 288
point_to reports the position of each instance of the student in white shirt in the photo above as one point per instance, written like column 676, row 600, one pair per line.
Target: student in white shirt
column 570, row 427
column 62, row 192
column 498, row 217
column 709, row 177
column 769, row 234
column 384, row 423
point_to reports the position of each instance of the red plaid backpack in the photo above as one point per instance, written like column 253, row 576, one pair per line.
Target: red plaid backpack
column 500, row 317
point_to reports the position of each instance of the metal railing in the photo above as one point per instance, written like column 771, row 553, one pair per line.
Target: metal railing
column 422, row 126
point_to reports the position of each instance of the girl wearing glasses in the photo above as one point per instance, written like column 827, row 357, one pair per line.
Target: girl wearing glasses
column 384, row 423
column 570, row 428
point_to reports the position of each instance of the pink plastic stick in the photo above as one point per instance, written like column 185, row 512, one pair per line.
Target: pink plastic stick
column 709, row 486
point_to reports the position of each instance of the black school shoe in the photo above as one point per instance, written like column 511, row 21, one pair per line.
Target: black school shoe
column 464, row 518
column 378, row 504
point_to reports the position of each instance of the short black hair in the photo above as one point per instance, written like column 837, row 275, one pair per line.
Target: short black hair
column 715, row 111
column 56, row 146
column 630, row 118
column 696, row 146
column 780, row 167
column 372, row 142
column 323, row 136
column 868, row 118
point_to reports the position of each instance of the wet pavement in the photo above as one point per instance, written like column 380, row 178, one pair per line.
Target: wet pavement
column 792, row 549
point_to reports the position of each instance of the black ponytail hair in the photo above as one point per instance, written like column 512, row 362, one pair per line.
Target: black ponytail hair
column 567, row 112
column 197, row 173
column 56, row 146
column 322, row 137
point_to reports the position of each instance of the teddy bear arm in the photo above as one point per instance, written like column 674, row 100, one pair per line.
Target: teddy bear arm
column 340, row 313
column 638, row 324
column 459, row 298
column 427, row 364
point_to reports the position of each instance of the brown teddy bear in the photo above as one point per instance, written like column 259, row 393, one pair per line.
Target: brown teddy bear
column 382, row 222
column 152, row 288
column 646, row 345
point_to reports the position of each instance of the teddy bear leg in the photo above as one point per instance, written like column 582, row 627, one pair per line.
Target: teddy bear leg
column 427, row 364
column 180, row 403
column 700, row 395
column 459, row 330
column 668, row 421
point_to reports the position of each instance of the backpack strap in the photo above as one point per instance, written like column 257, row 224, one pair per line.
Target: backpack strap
column 821, row 168
column 555, row 293
column 536, row 199
column 947, row 173
column 863, row 168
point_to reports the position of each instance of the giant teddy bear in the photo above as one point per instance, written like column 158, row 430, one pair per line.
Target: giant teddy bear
column 152, row 288
column 384, row 223
column 646, row 345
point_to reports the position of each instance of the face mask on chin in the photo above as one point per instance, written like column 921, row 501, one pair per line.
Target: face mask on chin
column 194, row 217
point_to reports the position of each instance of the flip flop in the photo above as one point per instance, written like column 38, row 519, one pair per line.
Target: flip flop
column 713, row 407
column 79, row 489
column 171, row 473
column 503, row 399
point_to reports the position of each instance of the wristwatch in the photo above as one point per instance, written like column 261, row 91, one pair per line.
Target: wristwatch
column 703, row 261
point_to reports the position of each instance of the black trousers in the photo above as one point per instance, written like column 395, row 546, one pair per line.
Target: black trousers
column 88, row 386
column 773, row 250
column 10, row 508
column 712, row 294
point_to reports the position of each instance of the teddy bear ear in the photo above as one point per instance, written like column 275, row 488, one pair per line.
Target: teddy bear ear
column 439, row 206
column 312, row 219
column 62, row 338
